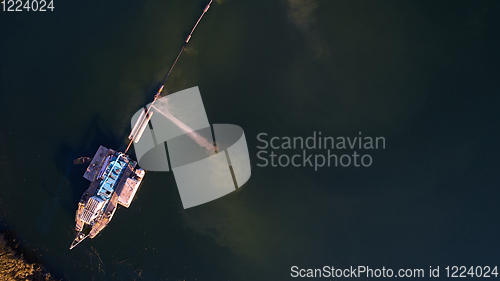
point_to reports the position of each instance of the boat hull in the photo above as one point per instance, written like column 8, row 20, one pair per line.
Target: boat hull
column 114, row 180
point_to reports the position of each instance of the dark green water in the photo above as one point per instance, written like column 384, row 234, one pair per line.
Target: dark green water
column 422, row 74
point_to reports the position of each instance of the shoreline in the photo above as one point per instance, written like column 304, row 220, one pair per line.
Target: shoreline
column 17, row 263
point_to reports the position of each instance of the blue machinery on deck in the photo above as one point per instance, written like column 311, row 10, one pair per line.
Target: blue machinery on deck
column 114, row 178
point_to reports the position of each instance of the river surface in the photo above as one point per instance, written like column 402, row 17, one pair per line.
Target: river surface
column 421, row 74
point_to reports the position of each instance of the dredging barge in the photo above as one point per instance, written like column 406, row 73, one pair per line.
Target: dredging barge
column 113, row 175
column 114, row 181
